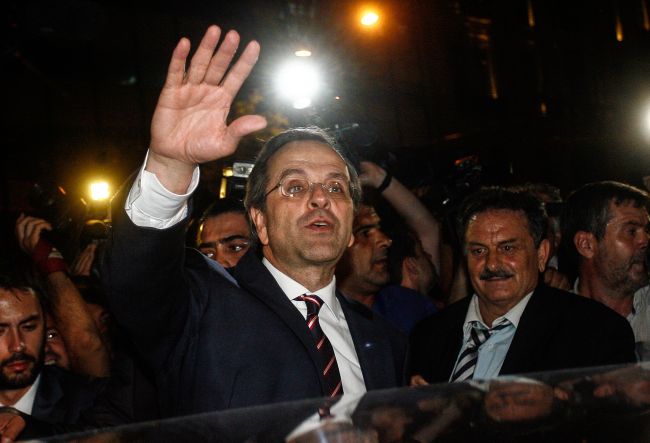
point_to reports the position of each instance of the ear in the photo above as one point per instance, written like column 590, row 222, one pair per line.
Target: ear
column 542, row 254
column 259, row 220
column 585, row 243
column 351, row 242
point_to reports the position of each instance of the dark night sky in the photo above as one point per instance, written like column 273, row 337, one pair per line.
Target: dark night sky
column 81, row 80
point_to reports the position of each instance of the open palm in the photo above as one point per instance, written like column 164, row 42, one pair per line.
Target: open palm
column 189, row 124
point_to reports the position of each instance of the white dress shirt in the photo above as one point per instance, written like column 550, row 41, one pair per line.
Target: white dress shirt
column 492, row 353
column 26, row 402
column 150, row 205
column 332, row 322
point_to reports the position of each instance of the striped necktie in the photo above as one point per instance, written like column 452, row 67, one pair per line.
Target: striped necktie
column 468, row 358
column 330, row 368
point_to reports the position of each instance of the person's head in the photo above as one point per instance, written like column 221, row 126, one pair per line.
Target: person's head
column 551, row 199
column 605, row 225
column 301, row 196
column 504, row 240
column 224, row 232
column 22, row 334
column 363, row 270
column 409, row 265
column 55, row 351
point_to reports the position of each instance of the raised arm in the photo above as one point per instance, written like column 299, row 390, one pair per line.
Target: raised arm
column 86, row 349
column 408, row 206
column 189, row 125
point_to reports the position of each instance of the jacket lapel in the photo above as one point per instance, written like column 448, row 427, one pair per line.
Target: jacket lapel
column 453, row 343
column 531, row 335
column 48, row 395
column 373, row 349
column 253, row 277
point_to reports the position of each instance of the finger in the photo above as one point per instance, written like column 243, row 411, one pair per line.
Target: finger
column 33, row 231
column 85, row 264
column 203, row 55
column 20, row 227
column 176, row 70
column 243, row 126
column 222, row 59
column 418, row 380
column 13, row 429
column 240, row 71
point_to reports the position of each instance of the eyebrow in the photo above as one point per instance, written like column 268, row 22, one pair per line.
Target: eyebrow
column 502, row 242
column 298, row 171
column 213, row 244
column 234, row 237
column 366, row 226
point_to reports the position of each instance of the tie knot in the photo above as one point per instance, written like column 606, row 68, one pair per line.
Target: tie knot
column 313, row 302
column 479, row 333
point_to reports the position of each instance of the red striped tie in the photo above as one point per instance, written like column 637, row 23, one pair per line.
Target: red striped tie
column 330, row 368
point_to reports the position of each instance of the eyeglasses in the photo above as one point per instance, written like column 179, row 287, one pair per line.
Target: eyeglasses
column 295, row 187
column 231, row 245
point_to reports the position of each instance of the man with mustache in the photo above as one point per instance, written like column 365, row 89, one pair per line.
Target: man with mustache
column 276, row 329
column 513, row 323
column 606, row 226
column 27, row 386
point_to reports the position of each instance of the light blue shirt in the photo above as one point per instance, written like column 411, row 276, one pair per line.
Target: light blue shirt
column 492, row 353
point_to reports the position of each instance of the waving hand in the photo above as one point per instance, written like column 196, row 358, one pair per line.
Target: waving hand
column 189, row 123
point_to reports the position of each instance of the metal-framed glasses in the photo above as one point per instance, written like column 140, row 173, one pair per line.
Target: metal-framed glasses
column 297, row 187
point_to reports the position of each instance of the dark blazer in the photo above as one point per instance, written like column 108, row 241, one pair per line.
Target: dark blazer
column 213, row 345
column 62, row 395
column 557, row 330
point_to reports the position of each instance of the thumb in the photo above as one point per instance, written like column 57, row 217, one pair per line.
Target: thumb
column 243, row 126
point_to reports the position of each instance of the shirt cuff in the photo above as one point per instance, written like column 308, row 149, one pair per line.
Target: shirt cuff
column 150, row 205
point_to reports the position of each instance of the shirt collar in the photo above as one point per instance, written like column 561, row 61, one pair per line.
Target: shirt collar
column 26, row 402
column 293, row 289
column 513, row 315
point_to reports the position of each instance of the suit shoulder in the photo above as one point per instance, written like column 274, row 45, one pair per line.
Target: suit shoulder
column 449, row 317
column 357, row 309
column 583, row 310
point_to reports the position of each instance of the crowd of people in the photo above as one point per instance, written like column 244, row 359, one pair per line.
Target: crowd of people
column 298, row 291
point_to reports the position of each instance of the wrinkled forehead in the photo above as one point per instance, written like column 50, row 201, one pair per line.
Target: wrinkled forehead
column 308, row 156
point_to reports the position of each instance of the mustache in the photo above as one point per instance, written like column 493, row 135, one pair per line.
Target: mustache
column 639, row 258
column 496, row 273
column 19, row 356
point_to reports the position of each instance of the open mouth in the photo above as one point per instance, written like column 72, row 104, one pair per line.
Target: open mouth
column 320, row 225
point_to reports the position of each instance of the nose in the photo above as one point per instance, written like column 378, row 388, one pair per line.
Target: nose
column 318, row 197
column 491, row 261
column 383, row 241
column 16, row 343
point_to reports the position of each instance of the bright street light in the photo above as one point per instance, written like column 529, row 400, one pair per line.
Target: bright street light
column 298, row 81
column 369, row 18
column 302, row 53
column 99, row 190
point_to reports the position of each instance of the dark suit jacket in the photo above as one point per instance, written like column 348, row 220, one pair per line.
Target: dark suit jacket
column 61, row 400
column 557, row 330
column 62, row 396
column 213, row 345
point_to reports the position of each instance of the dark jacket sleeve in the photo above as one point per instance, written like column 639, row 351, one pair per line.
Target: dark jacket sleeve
column 143, row 277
